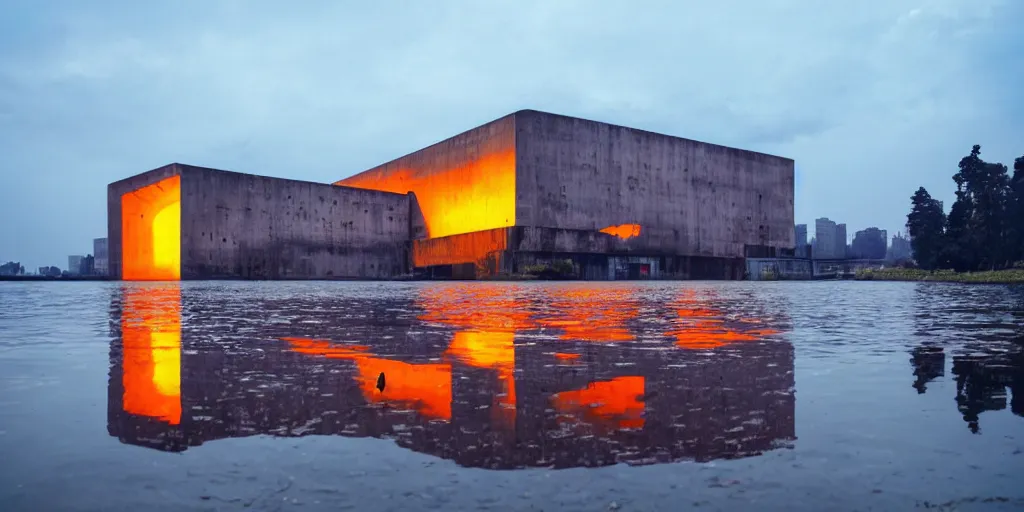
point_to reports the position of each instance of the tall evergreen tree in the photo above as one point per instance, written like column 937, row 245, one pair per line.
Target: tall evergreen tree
column 1015, row 212
column 925, row 225
column 976, row 230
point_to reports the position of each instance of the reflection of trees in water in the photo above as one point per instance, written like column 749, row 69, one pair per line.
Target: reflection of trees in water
column 986, row 330
column 929, row 363
column 981, row 383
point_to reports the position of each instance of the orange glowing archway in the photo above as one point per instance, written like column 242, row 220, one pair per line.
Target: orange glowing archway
column 151, row 337
column 151, row 232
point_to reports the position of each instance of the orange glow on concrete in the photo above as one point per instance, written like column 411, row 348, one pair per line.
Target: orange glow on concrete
column 616, row 403
column 477, row 196
column 592, row 313
column 151, row 232
column 426, row 388
column 476, row 247
column 151, row 337
column 623, row 231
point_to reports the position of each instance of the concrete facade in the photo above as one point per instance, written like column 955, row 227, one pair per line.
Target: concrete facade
column 689, row 198
column 528, row 189
column 585, row 189
column 237, row 225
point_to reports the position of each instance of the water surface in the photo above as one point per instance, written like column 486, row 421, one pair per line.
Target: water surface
column 532, row 396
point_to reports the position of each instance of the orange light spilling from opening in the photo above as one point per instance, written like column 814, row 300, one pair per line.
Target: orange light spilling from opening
column 476, row 196
column 151, row 232
column 427, row 388
column 623, row 231
column 616, row 403
column 151, row 337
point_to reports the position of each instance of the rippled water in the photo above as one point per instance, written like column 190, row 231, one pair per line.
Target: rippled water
column 532, row 396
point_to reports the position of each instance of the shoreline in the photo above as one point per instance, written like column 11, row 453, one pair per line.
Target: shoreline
column 1008, row 276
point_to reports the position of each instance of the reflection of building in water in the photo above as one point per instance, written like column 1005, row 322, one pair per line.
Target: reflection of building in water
column 146, row 376
column 488, row 376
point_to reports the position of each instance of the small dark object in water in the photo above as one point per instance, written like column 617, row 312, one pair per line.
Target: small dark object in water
column 380, row 382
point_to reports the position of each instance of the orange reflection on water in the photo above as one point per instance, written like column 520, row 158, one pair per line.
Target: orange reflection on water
column 427, row 388
column 566, row 356
column 616, row 403
column 623, row 231
column 592, row 313
column 701, row 328
column 472, row 196
column 151, row 337
column 151, row 232
column 471, row 307
column 494, row 350
column 489, row 317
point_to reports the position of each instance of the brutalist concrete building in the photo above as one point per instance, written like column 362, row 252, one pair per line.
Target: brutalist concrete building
column 527, row 191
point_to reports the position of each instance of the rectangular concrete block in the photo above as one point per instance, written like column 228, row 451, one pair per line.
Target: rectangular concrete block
column 234, row 225
column 689, row 197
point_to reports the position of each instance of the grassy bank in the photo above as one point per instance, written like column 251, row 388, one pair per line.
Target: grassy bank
column 942, row 276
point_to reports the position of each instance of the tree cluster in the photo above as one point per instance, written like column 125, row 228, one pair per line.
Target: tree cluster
column 984, row 229
column 11, row 268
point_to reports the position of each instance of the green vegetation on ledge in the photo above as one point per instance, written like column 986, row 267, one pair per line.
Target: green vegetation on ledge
column 1008, row 276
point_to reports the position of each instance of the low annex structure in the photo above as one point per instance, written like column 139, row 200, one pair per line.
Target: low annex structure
column 528, row 190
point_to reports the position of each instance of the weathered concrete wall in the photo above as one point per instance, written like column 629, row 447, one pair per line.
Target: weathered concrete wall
column 689, row 198
column 244, row 226
column 484, row 249
column 462, row 184
column 114, row 192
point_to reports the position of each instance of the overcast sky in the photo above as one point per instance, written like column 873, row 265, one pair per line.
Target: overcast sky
column 871, row 98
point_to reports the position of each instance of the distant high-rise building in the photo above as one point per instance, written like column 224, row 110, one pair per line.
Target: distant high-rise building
column 74, row 264
column 840, row 241
column 99, row 252
column 87, row 267
column 869, row 244
column 826, row 241
column 800, row 240
column 900, row 248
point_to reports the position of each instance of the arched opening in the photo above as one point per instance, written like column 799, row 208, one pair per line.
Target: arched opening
column 151, row 232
